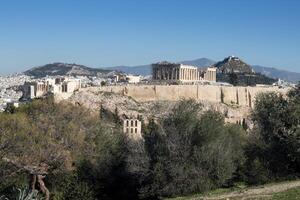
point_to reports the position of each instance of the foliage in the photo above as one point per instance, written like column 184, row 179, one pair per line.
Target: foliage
column 24, row 194
column 103, row 83
column 63, row 137
column 233, row 78
column 191, row 151
column 243, row 79
column 10, row 108
column 69, row 186
column 273, row 148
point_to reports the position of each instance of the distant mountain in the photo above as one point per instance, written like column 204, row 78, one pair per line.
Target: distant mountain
column 143, row 70
column 55, row 69
column 233, row 64
column 278, row 73
column 201, row 62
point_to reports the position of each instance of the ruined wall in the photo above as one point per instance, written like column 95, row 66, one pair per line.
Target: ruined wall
column 243, row 96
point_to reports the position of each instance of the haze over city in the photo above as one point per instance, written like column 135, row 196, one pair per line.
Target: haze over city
column 111, row 33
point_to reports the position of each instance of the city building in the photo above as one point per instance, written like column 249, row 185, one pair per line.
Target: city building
column 133, row 78
column 9, row 89
column 133, row 128
column 126, row 78
column 118, row 77
column 180, row 73
column 283, row 84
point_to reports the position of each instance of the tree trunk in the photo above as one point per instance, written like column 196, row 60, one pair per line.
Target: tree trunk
column 43, row 188
column 33, row 182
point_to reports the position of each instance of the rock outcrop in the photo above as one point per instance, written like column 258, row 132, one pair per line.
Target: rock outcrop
column 233, row 64
column 128, row 107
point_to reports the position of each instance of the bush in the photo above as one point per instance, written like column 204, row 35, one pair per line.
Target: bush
column 191, row 151
column 274, row 145
column 63, row 137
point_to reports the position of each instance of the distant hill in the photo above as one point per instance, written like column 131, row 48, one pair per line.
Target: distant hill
column 143, row 70
column 233, row 64
column 277, row 73
column 201, row 62
column 236, row 72
column 55, row 69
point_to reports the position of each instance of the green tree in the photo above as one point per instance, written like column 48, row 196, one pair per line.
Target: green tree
column 103, row 83
column 274, row 142
column 10, row 108
column 192, row 151
column 52, row 142
column 233, row 79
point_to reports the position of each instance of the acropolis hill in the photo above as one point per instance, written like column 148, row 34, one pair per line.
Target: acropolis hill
column 175, row 81
column 157, row 100
column 241, row 96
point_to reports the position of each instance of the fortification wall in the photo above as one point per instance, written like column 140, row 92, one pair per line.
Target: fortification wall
column 243, row 96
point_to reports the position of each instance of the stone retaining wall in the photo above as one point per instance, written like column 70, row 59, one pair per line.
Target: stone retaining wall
column 243, row 96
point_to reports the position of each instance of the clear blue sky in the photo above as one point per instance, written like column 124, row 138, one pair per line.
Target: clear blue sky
column 131, row 32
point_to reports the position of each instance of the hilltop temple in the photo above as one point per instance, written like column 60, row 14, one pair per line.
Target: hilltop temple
column 180, row 73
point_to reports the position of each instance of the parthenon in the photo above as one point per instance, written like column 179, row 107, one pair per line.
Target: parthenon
column 180, row 73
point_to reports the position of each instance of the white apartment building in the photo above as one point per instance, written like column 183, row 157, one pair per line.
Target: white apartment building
column 133, row 78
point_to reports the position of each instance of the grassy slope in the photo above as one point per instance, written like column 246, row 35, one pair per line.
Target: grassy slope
column 293, row 193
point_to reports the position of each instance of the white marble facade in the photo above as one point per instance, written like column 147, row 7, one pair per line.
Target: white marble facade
column 176, row 72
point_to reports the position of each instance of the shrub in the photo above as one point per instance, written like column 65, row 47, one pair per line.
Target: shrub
column 191, row 151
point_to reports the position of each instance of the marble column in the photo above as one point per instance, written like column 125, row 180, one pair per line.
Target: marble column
column 181, row 74
column 187, row 74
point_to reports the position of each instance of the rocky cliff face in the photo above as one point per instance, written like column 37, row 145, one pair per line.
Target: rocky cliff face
column 127, row 107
